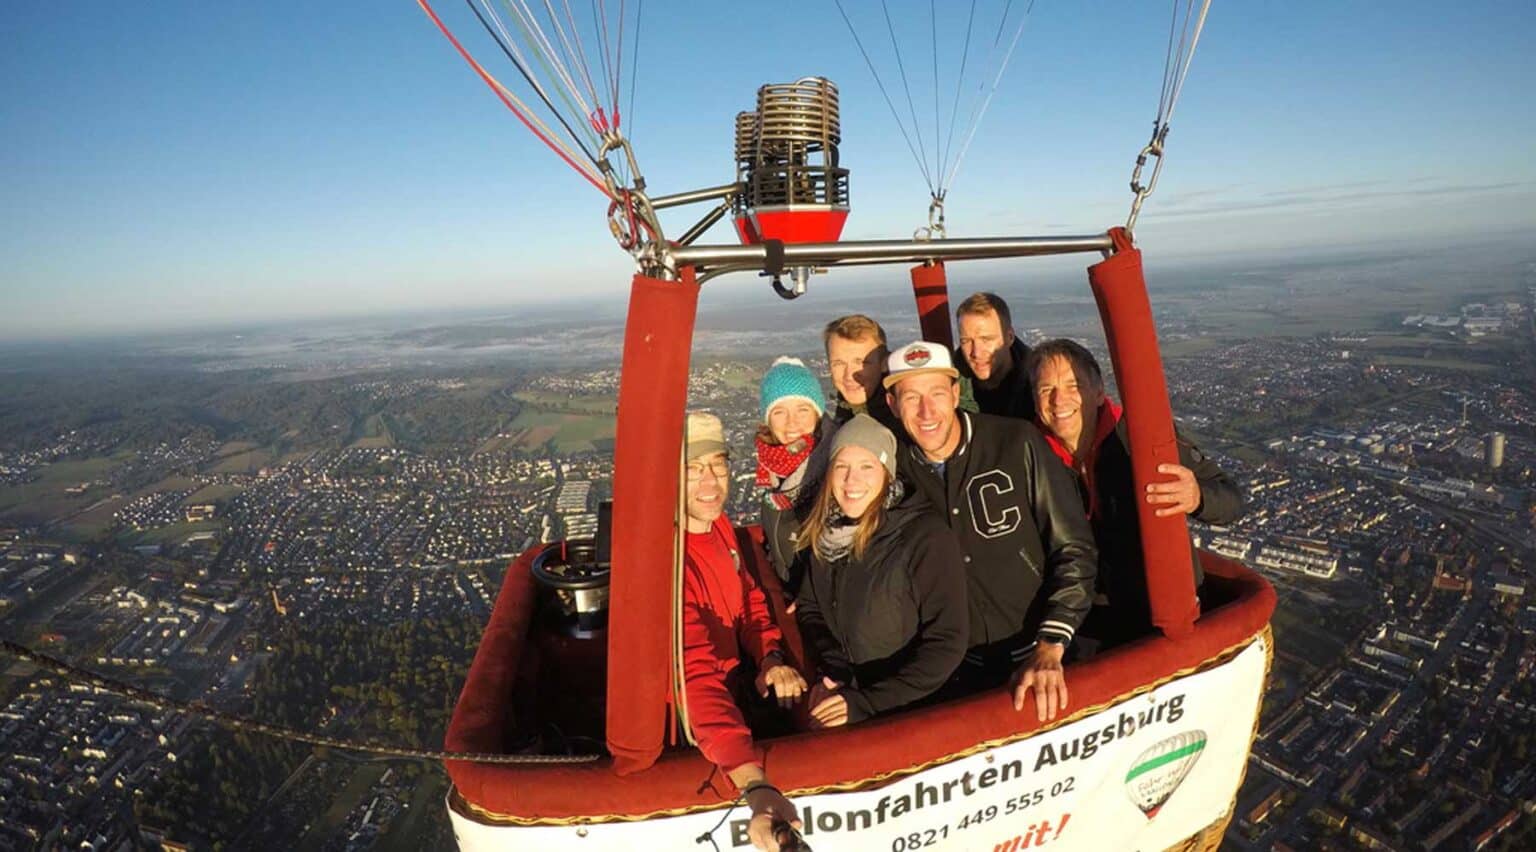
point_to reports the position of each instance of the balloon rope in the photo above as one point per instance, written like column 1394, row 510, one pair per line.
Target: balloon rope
column 954, row 106
column 900, row 125
column 1188, row 57
column 553, row 65
column 1007, row 57
column 511, row 102
column 508, row 48
column 580, row 54
column 901, row 68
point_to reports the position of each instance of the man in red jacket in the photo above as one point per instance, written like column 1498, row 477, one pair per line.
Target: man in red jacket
column 728, row 635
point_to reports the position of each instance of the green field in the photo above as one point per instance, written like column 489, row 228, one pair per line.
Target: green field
column 1441, row 363
column 573, row 422
column 93, row 522
column 498, row 444
column 570, row 432
column 45, row 500
column 245, row 461
column 373, row 432
column 418, row 826
column 213, row 494
column 567, row 403
column 171, row 483
column 169, row 535
column 1188, row 347
column 740, row 376
column 232, row 448
column 330, row 822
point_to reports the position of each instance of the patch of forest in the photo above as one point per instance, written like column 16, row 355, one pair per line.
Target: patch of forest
column 394, row 684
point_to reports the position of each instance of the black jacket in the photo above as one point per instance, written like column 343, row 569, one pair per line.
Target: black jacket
column 1117, row 527
column 841, row 411
column 782, row 526
column 892, row 625
column 1029, row 552
column 1012, row 396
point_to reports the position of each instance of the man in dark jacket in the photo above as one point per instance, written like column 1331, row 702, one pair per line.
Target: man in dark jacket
column 1028, row 550
column 856, row 351
column 991, row 357
column 1087, row 431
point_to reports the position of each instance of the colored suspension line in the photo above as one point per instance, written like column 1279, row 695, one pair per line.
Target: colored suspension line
column 510, row 102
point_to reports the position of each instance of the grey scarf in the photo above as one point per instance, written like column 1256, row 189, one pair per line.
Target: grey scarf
column 837, row 536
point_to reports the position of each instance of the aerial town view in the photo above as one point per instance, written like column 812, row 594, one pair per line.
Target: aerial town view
column 315, row 541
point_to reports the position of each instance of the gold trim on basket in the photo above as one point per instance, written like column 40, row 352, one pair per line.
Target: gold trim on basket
column 470, row 809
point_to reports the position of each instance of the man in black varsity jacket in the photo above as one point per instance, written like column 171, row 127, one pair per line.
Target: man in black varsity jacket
column 1029, row 552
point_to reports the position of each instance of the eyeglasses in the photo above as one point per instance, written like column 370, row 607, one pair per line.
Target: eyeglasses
column 720, row 469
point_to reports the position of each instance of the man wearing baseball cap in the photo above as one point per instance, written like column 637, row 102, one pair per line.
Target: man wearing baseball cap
column 1028, row 549
column 733, row 653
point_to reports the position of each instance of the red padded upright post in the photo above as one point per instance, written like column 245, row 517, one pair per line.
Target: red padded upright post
column 1121, row 292
column 653, row 391
column 931, row 288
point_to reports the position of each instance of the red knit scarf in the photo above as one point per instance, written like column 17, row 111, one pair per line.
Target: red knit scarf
column 777, row 462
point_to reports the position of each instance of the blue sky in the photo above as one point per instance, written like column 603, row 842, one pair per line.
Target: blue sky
column 170, row 164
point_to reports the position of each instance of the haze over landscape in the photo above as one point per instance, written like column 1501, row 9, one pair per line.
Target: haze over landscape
column 223, row 164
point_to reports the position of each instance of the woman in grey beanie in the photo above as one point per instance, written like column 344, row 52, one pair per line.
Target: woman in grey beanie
column 882, row 605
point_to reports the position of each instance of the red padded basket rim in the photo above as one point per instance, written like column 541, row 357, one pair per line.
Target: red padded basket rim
column 681, row 779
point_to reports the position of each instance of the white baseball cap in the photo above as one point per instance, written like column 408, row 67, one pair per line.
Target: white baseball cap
column 919, row 357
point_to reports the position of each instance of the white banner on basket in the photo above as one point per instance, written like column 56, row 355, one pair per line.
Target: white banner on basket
column 1144, row 773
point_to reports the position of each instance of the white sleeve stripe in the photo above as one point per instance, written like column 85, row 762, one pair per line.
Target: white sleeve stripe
column 1060, row 627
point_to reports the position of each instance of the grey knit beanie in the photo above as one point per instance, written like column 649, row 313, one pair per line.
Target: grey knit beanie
column 865, row 431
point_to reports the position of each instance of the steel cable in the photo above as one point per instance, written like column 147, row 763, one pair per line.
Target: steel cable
column 512, row 103
column 933, row 32
column 880, row 84
column 917, row 129
column 528, row 76
column 581, row 51
column 954, row 107
column 997, row 79
column 610, row 75
column 634, row 64
column 528, row 23
column 940, row 174
column 553, row 66
column 1188, row 58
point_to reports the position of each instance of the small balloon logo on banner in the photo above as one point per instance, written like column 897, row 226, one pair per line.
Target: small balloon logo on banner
column 1159, row 770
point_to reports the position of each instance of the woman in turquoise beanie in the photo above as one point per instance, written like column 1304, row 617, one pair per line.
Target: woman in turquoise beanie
column 792, row 404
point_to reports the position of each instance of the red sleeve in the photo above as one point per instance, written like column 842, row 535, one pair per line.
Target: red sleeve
column 759, row 635
column 717, row 723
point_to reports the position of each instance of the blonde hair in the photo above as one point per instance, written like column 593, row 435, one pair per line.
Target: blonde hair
column 983, row 303
column 821, row 517
column 853, row 327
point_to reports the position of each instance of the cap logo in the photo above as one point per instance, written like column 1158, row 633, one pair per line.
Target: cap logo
column 917, row 356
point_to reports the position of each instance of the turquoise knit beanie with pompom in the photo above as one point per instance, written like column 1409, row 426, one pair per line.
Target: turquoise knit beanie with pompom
column 789, row 378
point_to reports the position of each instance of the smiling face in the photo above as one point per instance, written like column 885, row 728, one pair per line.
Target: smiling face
column 855, row 366
column 706, row 484
column 791, row 419
column 1065, row 406
column 984, row 343
column 926, row 404
column 857, row 478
